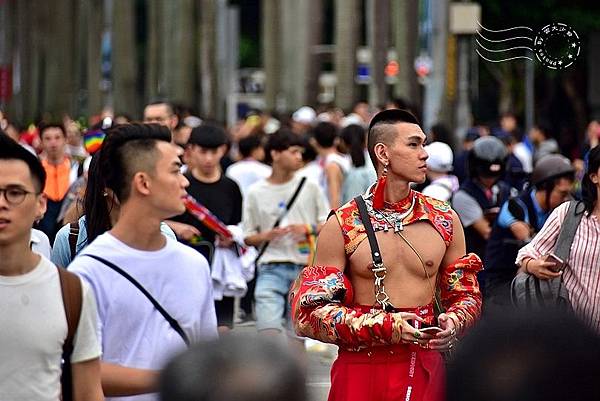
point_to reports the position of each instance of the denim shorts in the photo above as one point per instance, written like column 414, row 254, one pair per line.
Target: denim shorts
column 272, row 286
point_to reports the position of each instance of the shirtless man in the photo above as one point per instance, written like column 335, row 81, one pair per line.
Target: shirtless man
column 385, row 351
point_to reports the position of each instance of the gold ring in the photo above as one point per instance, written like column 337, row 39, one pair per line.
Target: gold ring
column 417, row 334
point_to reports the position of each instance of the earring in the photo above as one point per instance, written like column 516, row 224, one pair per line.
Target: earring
column 379, row 194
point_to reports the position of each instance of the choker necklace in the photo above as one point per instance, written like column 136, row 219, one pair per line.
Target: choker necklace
column 384, row 220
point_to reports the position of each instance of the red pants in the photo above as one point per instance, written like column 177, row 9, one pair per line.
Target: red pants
column 399, row 372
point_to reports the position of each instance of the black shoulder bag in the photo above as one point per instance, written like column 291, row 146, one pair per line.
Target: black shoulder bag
column 529, row 292
column 174, row 324
column 281, row 216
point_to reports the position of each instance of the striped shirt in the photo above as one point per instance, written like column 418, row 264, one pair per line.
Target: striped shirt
column 582, row 275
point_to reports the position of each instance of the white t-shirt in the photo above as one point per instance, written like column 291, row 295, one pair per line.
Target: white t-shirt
column 131, row 331
column 247, row 172
column 342, row 161
column 40, row 243
column 33, row 327
column 265, row 202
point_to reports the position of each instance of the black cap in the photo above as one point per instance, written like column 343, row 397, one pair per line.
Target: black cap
column 208, row 136
column 394, row 115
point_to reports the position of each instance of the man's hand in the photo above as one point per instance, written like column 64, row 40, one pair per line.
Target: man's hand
column 275, row 233
column 445, row 339
column 540, row 268
column 223, row 242
column 297, row 230
column 410, row 334
column 183, row 231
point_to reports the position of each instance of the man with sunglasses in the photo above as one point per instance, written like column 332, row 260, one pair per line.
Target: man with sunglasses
column 32, row 314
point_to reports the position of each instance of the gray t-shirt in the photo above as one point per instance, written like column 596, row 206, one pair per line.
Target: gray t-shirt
column 467, row 208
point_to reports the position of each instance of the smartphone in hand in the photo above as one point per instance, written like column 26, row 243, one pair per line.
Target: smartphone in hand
column 431, row 330
column 559, row 264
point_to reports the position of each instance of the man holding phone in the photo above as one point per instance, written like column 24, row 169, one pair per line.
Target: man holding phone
column 376, row 312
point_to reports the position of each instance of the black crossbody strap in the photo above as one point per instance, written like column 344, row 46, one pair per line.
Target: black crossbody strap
column 568, row 229
column 174, row 324
column 366, row 220
column 278, row 221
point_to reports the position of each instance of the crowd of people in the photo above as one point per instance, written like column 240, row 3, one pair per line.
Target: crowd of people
column 180, row 229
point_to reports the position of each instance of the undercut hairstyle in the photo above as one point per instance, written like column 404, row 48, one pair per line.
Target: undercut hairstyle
column 381, row 129
column 248, row 144
column 234, row 368
column 44, row 126
column 11, row 150
column 127, row 150
column 280, row 141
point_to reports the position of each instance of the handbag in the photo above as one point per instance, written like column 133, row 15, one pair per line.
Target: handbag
column 529, row 292
column 174, row 324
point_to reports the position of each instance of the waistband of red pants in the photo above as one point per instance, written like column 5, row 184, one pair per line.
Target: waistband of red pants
column 425, row 311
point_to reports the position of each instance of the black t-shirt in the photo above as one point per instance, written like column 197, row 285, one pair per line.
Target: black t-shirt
column 223, row 198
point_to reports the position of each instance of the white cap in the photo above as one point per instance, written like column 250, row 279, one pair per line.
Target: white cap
column 352, row 119
column 271, row 126
column 304, row 115
column 440, row 157
column 192, row 121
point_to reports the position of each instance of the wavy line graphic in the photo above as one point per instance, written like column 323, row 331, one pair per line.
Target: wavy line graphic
column 504, row 59
column 544, row 44
column 503, row 30
column 503, row 40
column 504, row 36
column 502, row 50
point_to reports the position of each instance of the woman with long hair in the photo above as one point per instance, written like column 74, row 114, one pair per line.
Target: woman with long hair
column 581, row 273
column 362, row 173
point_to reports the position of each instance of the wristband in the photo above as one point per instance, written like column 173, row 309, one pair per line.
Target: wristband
column 527, row 263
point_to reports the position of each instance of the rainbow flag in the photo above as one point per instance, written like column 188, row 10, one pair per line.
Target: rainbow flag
column 211, row 221
column 92, row 141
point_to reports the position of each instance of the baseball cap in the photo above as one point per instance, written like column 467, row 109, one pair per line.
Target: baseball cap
column 208, row 136
column 440, row 157
column 304, row 115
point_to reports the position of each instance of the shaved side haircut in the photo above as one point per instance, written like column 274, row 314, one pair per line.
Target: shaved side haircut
column 381, row 129
column 127, row 150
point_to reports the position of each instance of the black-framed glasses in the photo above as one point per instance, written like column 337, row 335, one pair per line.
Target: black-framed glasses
column 15, row 195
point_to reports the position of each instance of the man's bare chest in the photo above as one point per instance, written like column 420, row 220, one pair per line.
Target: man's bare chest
column 416, row 257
